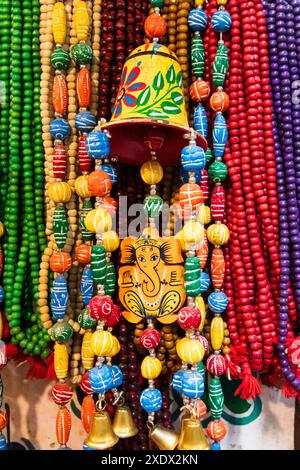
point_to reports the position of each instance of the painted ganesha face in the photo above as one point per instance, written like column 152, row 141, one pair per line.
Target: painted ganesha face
column 152, row 283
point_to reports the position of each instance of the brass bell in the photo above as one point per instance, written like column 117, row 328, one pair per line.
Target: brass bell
column 102, row 435
column 192, row 436
column 123, row 425
column 163, row 438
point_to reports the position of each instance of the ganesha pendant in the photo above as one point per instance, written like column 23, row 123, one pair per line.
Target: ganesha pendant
column 152, row 281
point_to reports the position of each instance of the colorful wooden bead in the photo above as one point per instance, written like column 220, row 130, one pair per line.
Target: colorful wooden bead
column 60, row 94
column 61, row 360
column 60, row 262
column 110, row 241
column 216, row 330
column 114, row 318
column 220, row 135
column 83, row 157
column 204, row 281
column 200, row 120
column 153, row 205
column 62, row 394
column 59, row 297
column 193, row 158
column 151, row 172
column 155, row 26
column 197, row 19
column 218, row 234
column 63, row 425
column 110, row 286
column 221, row 21
column 218, row 171
column 60, row 129
column 81, row 186
column 87, row 285
column 192, row 384
column 217, row 302
column 59, row 191
column 60, row 226
column 216, row 430
column 190, row 350
column 200, row 304
column 85, row 320
column 85, row 121
column 99, row 183
column 150, row 338
column 198, row 56
column 98, row 264
column 189, row 318
column 85, row 384
column 83, row 87
column 199, row 91
column 101, row 378
column 151, row 400
column 116, row 347
column 220, row 65
column 216, row 365
column 59, row 23
column 192, row 232
column 217, row 204
column 203, row 340
column 81, row 20
column 217, row 268
column 112, row 172
column 59, row 161
column 202, row 250
column 204, row 214
column 100, row 307
column 82, row 54
column 97, row 145
column 117, row 376
column 102, row 342
column 83, row 253
column 151, row 368
column 98, row 221
column 61, row 332
column 219, row 101
column 88, row 410
column 190, row 194
column 215, row 398
column 60, row 59
column 87, row 353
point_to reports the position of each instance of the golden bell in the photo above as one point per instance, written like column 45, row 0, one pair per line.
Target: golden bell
column 164, row 439
column 149, row 112
column 102, row 435
column 123, row 425
column 192, row 436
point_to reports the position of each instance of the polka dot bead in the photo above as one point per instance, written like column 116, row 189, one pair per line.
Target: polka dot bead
column 197, row 19
column 155, row 26
column 60, row 191
column 219, row 101
column 221, row 21
column 192, row 384
column 112, row 172
column 117, row 376
column 216, row 365
column 101, row 378
column 177, row 380
column 60, row 129
column 151, row 400
column 190, row 194
column 99, row 183
column 97, row 145
column 199, row 91
column 152, row 172
column 62, row 394
column 217, row 302
column 151, row 368
column 98, row 221
column 193, row 158
column 189, row 318
column 60, row 262
column 150, row 338
column 85, row 122
column 100, row 307
column 81, row 186
column 218, row 234
column 85, row 384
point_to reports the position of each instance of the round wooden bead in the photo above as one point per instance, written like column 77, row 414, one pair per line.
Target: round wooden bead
column 216, row 365
column 82, row 53
column 60, row 191
column 189, row 318
column 60, row 262
column 85, row 320
column 63, row 426
column 192, row 384
column 204, row 214
column 110, row 241
column 217, row 301
column 85, row 121
column 150, row 338
column 199, row 91
column 98, row 221
column 218, row 234
column 151, row 172
column 99, row 183
column 81, row 186
column 100, row 307
column 219, row 101
column 197, row 19
column 204, row 281
column 190, row 194
column 216, row 430
column 60, row 59
column 97, row 145
column 192, row 232
column 190, row 350
column 102, row 342
column 221, row 21
column 112, row 172
column 193, row 158
column 151, row 400
column 151, row 368
column 153, row 205
column 61, row 332
column 101, row 378
column 83, row 253
column 155, row 26
column 62, row 393
column 60, row 94
column 85, row 384
column 60, row 129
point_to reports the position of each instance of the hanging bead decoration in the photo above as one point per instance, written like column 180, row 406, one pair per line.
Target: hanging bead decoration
column 3, row 357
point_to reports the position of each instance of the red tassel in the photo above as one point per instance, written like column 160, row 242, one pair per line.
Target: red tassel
column 233, row 371
column 249, row 388
column 238, row 353
column 37, row 369
column 50, row 366
column 288, row 390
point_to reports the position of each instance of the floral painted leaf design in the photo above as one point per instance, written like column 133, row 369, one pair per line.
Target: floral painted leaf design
column 156, row 113
column 179, row 79
column 171, row 76
column 170, row 108
column 144, row 97
column 177, row 97
column 158, row 82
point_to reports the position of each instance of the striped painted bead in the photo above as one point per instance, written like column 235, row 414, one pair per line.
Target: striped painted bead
column 193, row 158
column 219, row 101
column 59, row 191
column 60, row 59
column 151, row 400
column 151, row 368
column 177, row 380
column 192, row 384
column 101, row 379
column 153, row 205
column 61, row 332
column 63, row 425
column 218, row 171
column 85, row 121
column 98, row 264
column 60, row 262
column 110, row 241
column 197, row 19
column 86, row 208
column 98, row 221
column 60, row 94
column 152, row 172
column 203, row 214
column 215, row 398
column 217, row 268
column 60, row 129
column 217, row 203
column 220, row 65
column 204, row 282
column 82, row 186
column 190, row 350
column 200, row 304
column 192, row 232
column 202, row 250
column 97, row 145
column 59, row 161
column 199, row 91
column 59, row 297
column 190, row 194
column 62, row 394
column 209, row 156
column 220, row 135
column 221, row 21
column 216, row 365
column 81, row 20
column 205, row 184
column 117, row 376
column 101, row 342
column 83, row 87
column 218, row 234
column 83, row 157
column 217, row 331
column 112, row 171
column 87, row 353
column 110, row 284
column 200, row 120
column 60, row 226
column 202, row 340
column 197, row 56
column 88, row 410
column 99, row 183
column 87, row 285
column 100, row 307
column 85, row 384
column 61, row 360
column 192, row 277
column 150, row 338
column 217, row 302
column 82, row 54
column 59, row 23
column 216, row 430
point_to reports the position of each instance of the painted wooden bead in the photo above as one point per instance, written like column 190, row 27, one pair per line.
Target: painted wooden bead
column 202, row 250
column 60, row 226
column 177, row 380
column 60, row 129
column 193, row 158
column 192, row 232
column 59, row 297
column 217, row 268
column 112, row 172
column 59, row 161
column 204, row 281
column 204, row 214
column 155, row 26
column 114, row 318
column 85, row 121
column 3, row 443
column 98, row 221
column 205, row 184
column 221, row 21
column 100, row 307
column 59, row 23
column 218, row 234
column 3, row 419
column 83, row 157
column 61, row 360
column 110, row 287
column 198, row 56
column 81, row 20
column 59, row 191
column 217, row 301
column 216, row 331
column 150, row 338
column 216, row 430
column 216, row 365
column 152, row 172
column 85, row 384
column 200, row 304
column 87, row 353
column 83, row 253
column 63, row 425
column 197, row 19
column 60, row 262
column 219, row 101
column 62, row 394
column 110, row 205
column 220, row 135
column 87, row 285
column 151, row 400
column 202, row 340
column 60, row 59
column 101, row 378
column 88, row 410
column 99, row 183
column 97, row 145
column 192, row 276
column 199, row 91
column 81, row 186
column 200, row 120
column 189, row 318
column 192, row 384
column 83, row 87
column 200, row 409
column 111, row 241
column 151, row 368
column 116, row 347
column 82, row 54
column 217, row 204
column 190, row 194
column 102, row 342
column 153, row 205
column 117, row 376
column 61, row 332
column 85, row 320
column 60, row 94
column 190, row 350
column 215, row 398
column 98, row 264
column 220, row 65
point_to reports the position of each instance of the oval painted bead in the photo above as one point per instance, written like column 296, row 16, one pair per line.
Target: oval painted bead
column 83, row 253
column 59, row 297
column 81, row 20
column 217, row 203
column 98, row 221
column 151, row 172
column 200, row 120
column 217, row 268
column 98, row 264
column 200, row 304
column 220, row 65
column 204, row 184
column 60, row 94
column 87, row 354
column 61, row 360
column 190, row 350
column 204, row 281
column 101, row 378
column 216, row 430
column 117, row 376
column 97, row 145
column 59, row 23
column 221, row 21
column 197, row 19
column 60, row 191
column 60, row 129
column 202, row 250
column 88, row 410
column 59, row 161
column 220, row 135
column 63, row 425
column 60, row 226
column 83, row 87
column 62, row 394
column 85, row 121
column 217, row 302
column 111, row 241
column 151, row 400
column 215, row 398
column 85, row 384
column 151, row 368
column 112, row 172
column 102, row 342
column 216, row 365
column 190, row 194
column 150, row 338
column 193, row 158
column 83, row 157
column 217, row 333
column 192, row 384
column 109, row 289
column 87, row 285
column 60, row 59
column 177, row 380
column 60, row 262
column 218, row 234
